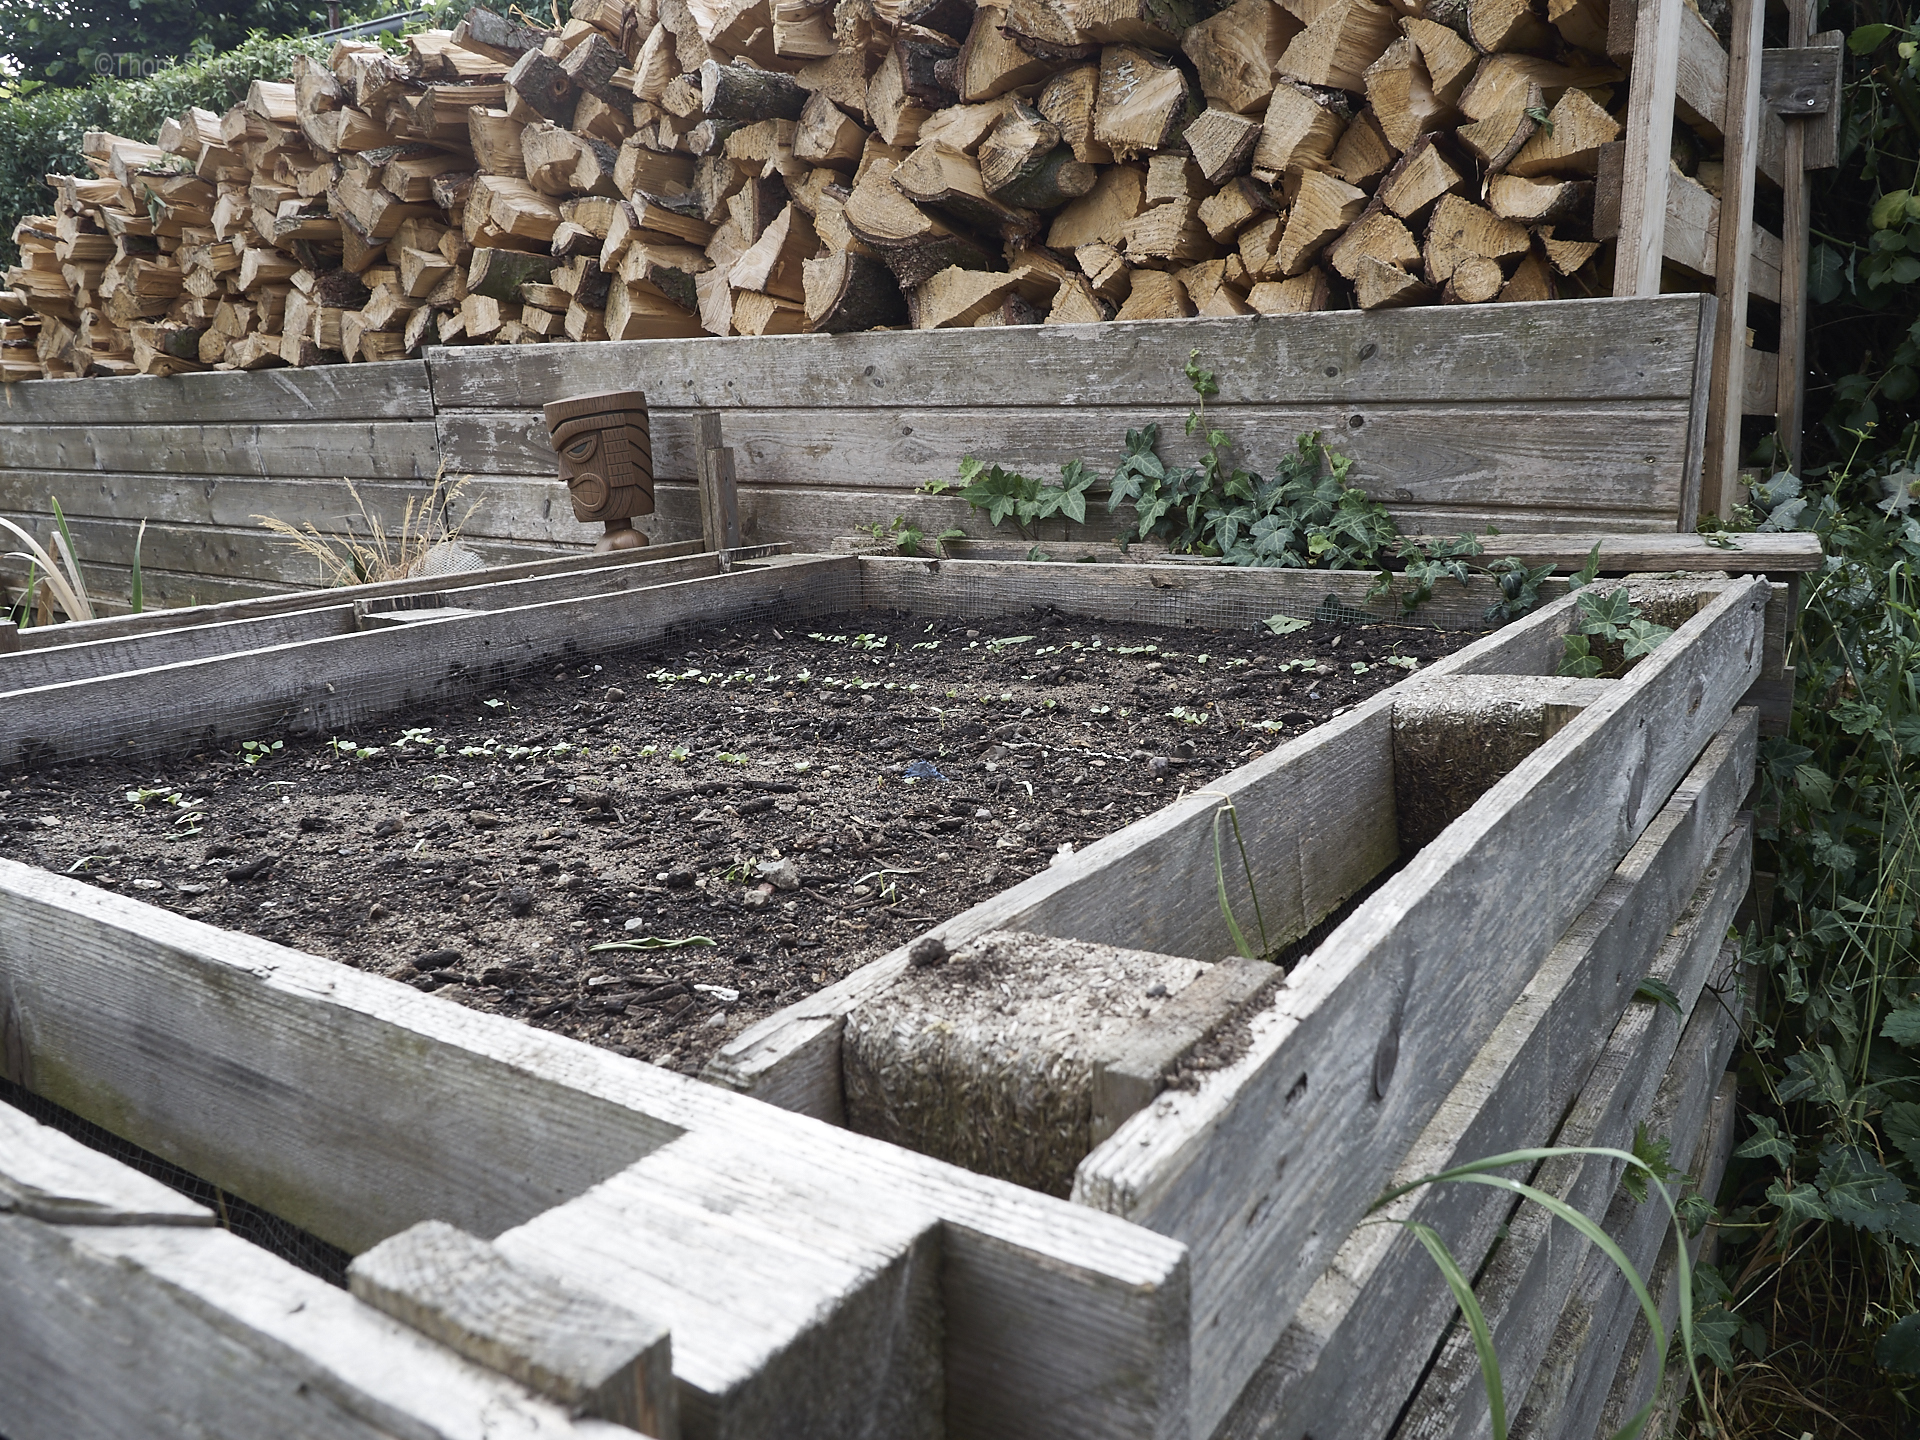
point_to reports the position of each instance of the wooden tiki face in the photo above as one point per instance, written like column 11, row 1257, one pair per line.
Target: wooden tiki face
column 605, row 453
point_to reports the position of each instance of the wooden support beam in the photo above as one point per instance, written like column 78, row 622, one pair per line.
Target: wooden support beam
column 1644, row 185
column 1744, row 554
column 1733, row 271
column 1356, row 1350
column 719, row 490
column 51, row 1177
column 1796, row 218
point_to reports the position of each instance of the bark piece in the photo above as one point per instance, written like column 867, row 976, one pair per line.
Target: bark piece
column 744, row 93
column 591, row 66
column 1141, row 103
column 846, row 290
column 1234, row 52
column 499, row 274
column 1104, row 212
column 1323, row 208
column 1222, row 142
column 1338, row 46
column 1301, row 129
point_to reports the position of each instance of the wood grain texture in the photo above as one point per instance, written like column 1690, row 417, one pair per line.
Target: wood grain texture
column 1744, row 554
column 49, row 1176
column 1734, row 265
column 1528, row 1279
column 330, row 685
column 576, row 1349
column 1601, row 1317
column 1645, row 183
column 1217, row 1169
column 1567, row 350
column 376, row 449
column 1356, row 1348
column 252, row 607
column 128, row 1331
column 1058, row 1320
column 397, row 390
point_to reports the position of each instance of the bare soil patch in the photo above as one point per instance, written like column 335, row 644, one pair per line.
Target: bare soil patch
column 751, row 812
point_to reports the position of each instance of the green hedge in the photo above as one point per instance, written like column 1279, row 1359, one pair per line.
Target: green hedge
column 40, row 133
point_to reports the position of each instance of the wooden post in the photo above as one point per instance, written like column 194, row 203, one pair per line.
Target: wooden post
column 9, row 637
column 1740, row 125
column 1795, row 218
column 1643, row 191
column 719, row 494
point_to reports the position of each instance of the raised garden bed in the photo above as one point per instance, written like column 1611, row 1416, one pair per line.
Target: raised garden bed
column 483, row 848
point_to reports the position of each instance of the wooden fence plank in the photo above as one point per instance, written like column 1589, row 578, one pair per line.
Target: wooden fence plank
column 396, row 390
column 1560, row 458
column 382, row 449
column 1563, row 350
column 1796, row 209
column 1528, row 1278
column 1059, row 1321
column 1692, row 1112
column 49, row 1176
column 1357, row 1346
column 1760, row 383
column 136, row 1330
column 334, row 684
column 1734, row 265
column 1230, row 1168
column 1646, row 175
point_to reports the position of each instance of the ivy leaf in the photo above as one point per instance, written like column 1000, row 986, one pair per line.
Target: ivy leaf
column 1797, row 1203
column 1815, row 786
column 1285, row 624
column 1768, row 1142
column 1899, row 1349
column 1862, row 1192
column 1656, row 991
column 1714, row 1330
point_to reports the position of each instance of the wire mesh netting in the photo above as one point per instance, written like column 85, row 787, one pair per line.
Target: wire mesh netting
column 260, row 1227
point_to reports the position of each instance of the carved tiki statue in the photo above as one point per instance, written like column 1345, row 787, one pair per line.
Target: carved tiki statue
column 606, row 458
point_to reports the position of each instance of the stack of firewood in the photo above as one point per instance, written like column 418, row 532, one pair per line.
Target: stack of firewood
column 659, row 168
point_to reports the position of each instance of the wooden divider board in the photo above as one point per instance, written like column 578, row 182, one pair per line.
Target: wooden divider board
column 1240, row 1173
column 1356, row 1348
column 302, row 1085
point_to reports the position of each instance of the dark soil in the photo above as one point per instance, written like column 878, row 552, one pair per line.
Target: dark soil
column 483, row 850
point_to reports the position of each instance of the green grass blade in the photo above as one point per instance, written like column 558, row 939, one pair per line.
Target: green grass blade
column 1476, row 1319
column 139, row 593
column 70, row 553
column 26, row 604
column 1246, row 865
column 1220, row 882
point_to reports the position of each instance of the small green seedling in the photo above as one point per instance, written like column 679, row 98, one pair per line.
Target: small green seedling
column 252, row 752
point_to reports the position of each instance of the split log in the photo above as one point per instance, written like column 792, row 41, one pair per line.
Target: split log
column 1476, row 279
column 1024, row 163
column 990, row 64
column 1155, row 295
column 772, row 263
column 1419, row 178
column 828, row 136
column 1449, row 59
column 1566, row 256
column 1537, row 202
column 1222, row 143
column 1377, row 235
column 1323, row 208
column 1402, row 95
column 1235, row 206
column 1104, row 212
column 1364, row 153
column 544, row 87
column 1298, row 295
column 741, row 92
column 1234, row 52
column 1301, row 129
column 1337, row 48
column 1499, row 137
column 951, row 181
column 1532, row 280
column 1460, row 229
column 1141, row 102
column 846, row 290
column 1379, row 286
column 913, row 243
column 1570, row 142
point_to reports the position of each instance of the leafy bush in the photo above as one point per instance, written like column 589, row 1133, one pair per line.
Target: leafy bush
column 40, row 132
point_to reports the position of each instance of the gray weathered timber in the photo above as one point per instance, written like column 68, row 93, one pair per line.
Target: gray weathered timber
column 378, row 449
column 1589, row 1343
column 1747, row 554
column 1638, row 1377
column 48, row 1176
column 1380, row 999
column 1120, row 884
column 1356, row 1348
column 253, row 607
column 1058, row 1321
column 585, row 1353
column 1425, row 461
column 1566, row 350
column 397, row 390
column 1526, row 1281
column 341, row 681
column 126, row 1331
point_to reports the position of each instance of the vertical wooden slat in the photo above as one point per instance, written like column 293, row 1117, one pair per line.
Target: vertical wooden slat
column 1720, row 482
column 1643, row 190
column 1794, row 249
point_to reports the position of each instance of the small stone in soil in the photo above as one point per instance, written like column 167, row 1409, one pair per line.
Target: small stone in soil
column 438, row 959
column 314, row 822
column 520, row 902
column 378, row 911
column 781, row 874
column 927, row 951
column 483, row 819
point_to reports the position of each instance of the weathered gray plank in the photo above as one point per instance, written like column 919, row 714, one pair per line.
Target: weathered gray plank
column 255, row 604
column 1357, row 1346
column 59, row 664
column 530, row 510
column 1590, row 1342
column 1774, row 554
column 1058, row 1321
column 1526, row 1282
column 49, row 1176
column 1557, row 457
column 111, row 588
column 168, row 1331
column 1564, row 350
column 384, row 449
column 792, row 1058
column 596, row 1358
column 396, row 390
column 327, row 686
column 1240, row 1174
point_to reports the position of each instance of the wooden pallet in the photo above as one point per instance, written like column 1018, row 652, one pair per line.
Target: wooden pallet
column 1208, row 1273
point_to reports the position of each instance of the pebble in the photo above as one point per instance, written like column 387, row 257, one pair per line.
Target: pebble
column 386, row 827
column 1157, row 766
column 253, row 869
column 926, row 952
column 782, row 874
column 616, row 693
column 483, row 819
column 314, row 822
column 147, row 885
column 520, row 902
column 757, row 898
column 1156, row 990
column 378, row 911
column 438, row 960
column 675, row 879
